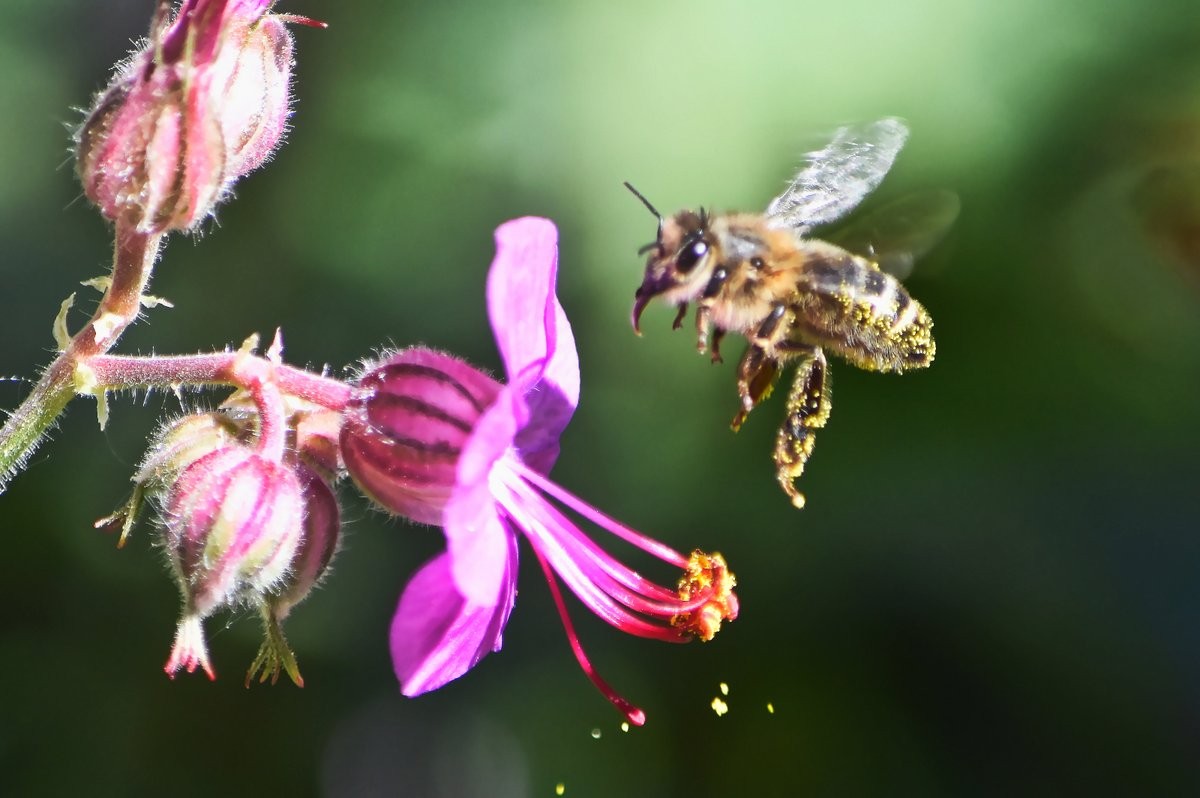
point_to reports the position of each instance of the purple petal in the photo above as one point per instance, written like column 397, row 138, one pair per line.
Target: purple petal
column 533, row 334
column 480, row 545
column 437, row 635
column 551, row 400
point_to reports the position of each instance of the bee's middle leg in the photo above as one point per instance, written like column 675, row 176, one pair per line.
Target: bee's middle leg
column 769, row 348
column 807, row 411
column 756, row 375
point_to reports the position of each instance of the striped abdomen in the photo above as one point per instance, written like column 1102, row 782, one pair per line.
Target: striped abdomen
column 847, row 305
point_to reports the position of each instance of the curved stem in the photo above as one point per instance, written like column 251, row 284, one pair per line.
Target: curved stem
column 272, row 427
column 133, row 261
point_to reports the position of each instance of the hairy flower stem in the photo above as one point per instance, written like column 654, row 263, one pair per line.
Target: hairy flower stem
column 133, row 262
column 240, row 369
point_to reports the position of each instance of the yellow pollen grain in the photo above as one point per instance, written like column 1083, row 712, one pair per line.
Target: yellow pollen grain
column 719, row 706
column 560, row 788
column 770, row 708
column 724, row 688
column 625, row 727
column 595, row 734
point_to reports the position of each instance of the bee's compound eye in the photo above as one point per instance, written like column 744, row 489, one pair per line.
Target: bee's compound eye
column 690, row 254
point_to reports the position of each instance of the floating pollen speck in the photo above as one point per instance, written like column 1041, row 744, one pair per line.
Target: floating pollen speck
column 624, row 726
column 724, row 688
column 595, row 734
column 770, row 708
column 560, row 788
column 719, row 706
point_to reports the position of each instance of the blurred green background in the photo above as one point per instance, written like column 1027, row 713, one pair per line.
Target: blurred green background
column 994, row 588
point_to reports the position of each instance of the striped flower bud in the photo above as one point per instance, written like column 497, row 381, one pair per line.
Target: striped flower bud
column 234, row 520
column 175, row 446
column 181, row 442
column 322, row 531
column 405, row 427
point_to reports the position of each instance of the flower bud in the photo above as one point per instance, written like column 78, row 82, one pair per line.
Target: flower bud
column 234, row 520
column 203, row 103
column 256, row 102
column 405, row 427
column 175, row 446
column 180, row 443
column 322, row 531
column 316, row 436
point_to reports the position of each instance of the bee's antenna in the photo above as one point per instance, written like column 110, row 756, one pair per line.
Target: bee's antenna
column 645, row 202
column 657, row 243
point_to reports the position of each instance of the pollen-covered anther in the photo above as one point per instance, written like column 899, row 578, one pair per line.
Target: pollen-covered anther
column 707, row 576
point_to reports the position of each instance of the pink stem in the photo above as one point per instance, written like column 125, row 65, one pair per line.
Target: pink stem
column 220, row 368
column 272, row 426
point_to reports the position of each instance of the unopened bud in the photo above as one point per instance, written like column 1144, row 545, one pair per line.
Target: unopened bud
column 175, row 446
column 317, row 441
column 322, row 532
column 203, row 103
column 234, row 520
column 180, row 443
column 406, row 425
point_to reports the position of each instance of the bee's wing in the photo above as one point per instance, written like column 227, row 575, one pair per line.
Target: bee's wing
column 837, row 177
column 896, row 234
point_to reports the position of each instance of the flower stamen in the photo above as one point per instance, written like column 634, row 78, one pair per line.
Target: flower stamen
column 708, row 577
column 550, row 535
column 631, row 536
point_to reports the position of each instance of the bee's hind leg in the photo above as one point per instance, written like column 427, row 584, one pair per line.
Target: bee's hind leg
column 807, row 411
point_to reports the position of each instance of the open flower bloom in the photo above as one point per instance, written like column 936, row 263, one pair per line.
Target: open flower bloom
column 435, row 439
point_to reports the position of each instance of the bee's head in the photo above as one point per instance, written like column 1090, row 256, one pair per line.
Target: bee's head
column 678, row 260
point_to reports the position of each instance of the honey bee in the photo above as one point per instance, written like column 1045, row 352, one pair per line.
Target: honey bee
column 794, row 297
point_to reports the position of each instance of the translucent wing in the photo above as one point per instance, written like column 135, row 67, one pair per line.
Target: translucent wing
column 896, row 234
column 837, row 177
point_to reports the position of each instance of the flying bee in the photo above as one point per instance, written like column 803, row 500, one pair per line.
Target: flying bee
column 794, row 297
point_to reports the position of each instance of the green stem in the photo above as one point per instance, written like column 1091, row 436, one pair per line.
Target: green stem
column 133, row 261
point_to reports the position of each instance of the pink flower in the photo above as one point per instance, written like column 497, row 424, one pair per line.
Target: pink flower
column 434, row 439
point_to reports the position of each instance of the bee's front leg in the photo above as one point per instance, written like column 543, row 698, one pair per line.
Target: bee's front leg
column 683, row 309
column 704, row 312
column 807, row 411
column 703, row 325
